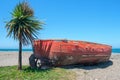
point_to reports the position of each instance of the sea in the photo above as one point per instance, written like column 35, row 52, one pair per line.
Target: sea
column 15, row 50
column 114, row 50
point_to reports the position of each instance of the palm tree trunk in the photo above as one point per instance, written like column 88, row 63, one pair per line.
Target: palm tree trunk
column 20, row 56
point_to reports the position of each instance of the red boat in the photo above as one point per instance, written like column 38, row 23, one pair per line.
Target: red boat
column 66, row 52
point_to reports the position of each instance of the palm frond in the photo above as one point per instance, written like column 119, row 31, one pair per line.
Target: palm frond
column 23, row 26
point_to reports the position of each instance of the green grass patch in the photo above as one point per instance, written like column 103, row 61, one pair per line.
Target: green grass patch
column 11, row 73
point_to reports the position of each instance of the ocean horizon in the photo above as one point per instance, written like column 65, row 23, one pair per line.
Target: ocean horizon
column 114, row 50
column 15, row 50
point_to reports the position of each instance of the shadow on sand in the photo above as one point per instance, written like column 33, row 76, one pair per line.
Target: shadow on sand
column 89, row 66
column 77, row 66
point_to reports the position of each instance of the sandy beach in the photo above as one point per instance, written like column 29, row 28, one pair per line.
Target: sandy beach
column 11, row 58
column 103, row 71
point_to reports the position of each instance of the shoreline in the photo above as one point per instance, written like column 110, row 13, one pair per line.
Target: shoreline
column 32, row 51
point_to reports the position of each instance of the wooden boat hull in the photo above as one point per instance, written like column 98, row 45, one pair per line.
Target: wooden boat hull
column 66, row 52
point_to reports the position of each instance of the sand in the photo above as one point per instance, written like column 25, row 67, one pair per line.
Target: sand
column 11, row 58
column 103, row 71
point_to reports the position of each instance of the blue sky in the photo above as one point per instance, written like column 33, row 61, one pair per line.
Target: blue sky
column 88, row 20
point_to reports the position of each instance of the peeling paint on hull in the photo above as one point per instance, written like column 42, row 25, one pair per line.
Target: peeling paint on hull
column 66, row 52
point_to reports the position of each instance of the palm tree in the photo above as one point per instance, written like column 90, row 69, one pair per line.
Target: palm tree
column 23, row 27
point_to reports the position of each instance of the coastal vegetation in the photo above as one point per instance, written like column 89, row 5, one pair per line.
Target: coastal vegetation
column 23, row 27
column 10, row 73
